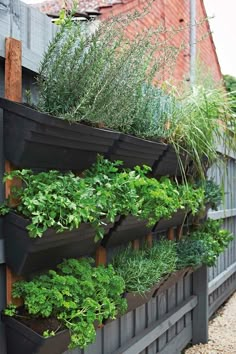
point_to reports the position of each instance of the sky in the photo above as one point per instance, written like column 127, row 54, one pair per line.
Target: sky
column 223, row 26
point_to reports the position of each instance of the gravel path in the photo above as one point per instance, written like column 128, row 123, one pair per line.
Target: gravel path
column 222, row 332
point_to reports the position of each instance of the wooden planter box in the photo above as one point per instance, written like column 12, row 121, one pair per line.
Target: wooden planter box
column 23, row 340
column 26, row 255
column 128, row 228
column 37, row 140
column 135, row 151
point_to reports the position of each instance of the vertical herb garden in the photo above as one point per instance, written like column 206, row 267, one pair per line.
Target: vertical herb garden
column 110, row 155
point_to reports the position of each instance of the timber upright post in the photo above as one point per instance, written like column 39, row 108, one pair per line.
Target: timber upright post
column 200, row 312
column 13, row 91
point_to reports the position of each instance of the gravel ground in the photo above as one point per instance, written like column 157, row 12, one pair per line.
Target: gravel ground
column 222, row 332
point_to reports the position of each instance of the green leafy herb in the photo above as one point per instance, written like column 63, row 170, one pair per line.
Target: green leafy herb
column 77, row 294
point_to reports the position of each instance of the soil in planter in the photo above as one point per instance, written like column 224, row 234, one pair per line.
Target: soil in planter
column 39, row 324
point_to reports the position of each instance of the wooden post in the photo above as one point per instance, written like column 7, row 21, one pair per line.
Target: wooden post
column 13, row 91
column 101, row 256
column 171, row 234
column 149, row 240
column 135, row 244
column 179, row 232
column 200, row 312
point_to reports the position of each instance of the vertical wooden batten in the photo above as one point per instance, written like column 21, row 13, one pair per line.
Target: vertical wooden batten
column 135, row 244
column 13, row 69
column 171, row 234
column 13, row 91
column 149, row 239
column 101, row 256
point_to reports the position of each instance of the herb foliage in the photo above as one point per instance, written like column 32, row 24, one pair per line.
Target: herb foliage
column 64, row 201
column 77, row 294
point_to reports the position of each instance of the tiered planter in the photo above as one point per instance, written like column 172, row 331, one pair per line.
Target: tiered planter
column 168, row 164
column 176, row 219
column 135, row 151
column 23, row 340
column 128, row 228
column 25, row 255
column 38, row 140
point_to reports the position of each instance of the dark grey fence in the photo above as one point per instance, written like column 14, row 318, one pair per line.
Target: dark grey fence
column 222, row 277
column 177, row 316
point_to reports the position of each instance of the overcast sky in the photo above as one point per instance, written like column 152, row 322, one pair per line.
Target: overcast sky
column 223, row 26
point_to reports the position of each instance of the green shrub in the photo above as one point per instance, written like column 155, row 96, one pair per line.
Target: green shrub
column 77, row 294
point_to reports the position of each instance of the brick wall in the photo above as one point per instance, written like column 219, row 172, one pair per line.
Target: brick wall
column 173, row 13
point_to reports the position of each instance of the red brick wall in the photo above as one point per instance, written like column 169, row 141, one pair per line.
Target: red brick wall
column 172, row 13
column 205, row 48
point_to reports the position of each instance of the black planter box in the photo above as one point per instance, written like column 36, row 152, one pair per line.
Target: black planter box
column 128, row 228
column 177, row 219
column 135, row 151
column 23, row 340
column 168, row 164
column 26, row 255
column 172, row 279
column 37, row 140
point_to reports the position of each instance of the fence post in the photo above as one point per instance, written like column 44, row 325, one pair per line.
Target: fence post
column 200, row 312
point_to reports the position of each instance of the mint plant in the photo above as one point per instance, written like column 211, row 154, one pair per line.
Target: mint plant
column 77, row 294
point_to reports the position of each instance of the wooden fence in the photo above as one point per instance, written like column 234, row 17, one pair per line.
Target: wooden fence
column 180, row 314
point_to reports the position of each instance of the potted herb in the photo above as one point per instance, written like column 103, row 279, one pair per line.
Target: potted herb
column 191, row 201
column 145, row 271
column 214, row 240
column 83, row 93
column 156, row 200
column 58, row 216
column 72, row 298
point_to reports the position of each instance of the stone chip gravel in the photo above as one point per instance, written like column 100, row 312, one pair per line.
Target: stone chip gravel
column 222, row 332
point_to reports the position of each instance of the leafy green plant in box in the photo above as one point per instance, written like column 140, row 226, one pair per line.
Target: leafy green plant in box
column 64, row 201
column 61, row 201
column 76, row 294
column 190, row 253
column 141, row 269
column 213, row 193
column 139, row 272
column 214, row 239
column 99, row 76
column 163, row 255
column 191, row 197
